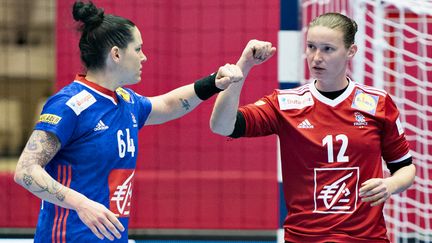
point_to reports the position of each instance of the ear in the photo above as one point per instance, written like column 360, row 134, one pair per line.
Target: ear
column 352, row 51
column 115, row 54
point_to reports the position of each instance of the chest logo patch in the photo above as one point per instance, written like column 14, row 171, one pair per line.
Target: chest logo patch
column 295, row 101
column 120, row 186
column 338, row 195
column 365, row 102
column 81, row 101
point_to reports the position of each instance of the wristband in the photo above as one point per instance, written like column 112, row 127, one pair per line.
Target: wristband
column 206, row 87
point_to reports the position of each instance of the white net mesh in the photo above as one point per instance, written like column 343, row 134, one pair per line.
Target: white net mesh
column 395, row 53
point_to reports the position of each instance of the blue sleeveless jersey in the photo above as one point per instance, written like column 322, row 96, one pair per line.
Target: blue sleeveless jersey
column 98, row 131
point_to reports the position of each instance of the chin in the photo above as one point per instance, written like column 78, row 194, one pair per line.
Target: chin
column 316, row 76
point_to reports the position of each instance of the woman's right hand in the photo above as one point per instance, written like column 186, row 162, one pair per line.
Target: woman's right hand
column 256, row 52
column 101, row 221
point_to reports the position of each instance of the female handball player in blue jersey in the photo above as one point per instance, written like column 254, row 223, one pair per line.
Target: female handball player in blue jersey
column 333, row 135
column 80, row 159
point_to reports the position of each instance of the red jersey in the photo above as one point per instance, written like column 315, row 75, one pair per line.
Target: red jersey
column 328, row 149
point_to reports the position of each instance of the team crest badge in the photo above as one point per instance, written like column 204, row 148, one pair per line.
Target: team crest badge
column 360, row 119
column 124, row 95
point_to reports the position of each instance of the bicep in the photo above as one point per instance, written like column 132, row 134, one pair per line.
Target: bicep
column 41, row 147
column 260, row 120
column 159, row 111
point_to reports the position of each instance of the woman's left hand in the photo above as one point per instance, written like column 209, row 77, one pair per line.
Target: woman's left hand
column 227, row 75
column 376, row 191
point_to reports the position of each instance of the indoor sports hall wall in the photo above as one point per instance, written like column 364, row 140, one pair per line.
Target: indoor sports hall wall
column 188, row 177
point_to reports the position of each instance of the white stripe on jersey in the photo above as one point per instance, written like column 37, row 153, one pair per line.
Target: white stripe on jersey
column 372, row 90
column 406, row 156
column 299, row 90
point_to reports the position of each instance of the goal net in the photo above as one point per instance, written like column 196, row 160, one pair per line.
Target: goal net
column 395, row 53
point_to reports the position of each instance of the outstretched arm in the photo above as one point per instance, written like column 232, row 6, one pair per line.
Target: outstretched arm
column 224, row 113
column 183, row 100
column 29, row 173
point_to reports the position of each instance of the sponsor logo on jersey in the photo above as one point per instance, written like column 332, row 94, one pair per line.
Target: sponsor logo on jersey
column 305, row 124
column 365, row 102
column 295, row 101
column 124, row 95
column 338, row 195
column 360, row 119
column 81, row 101
column 120, row 185
column 134, row 120
column 50, row 119
column 100, row 126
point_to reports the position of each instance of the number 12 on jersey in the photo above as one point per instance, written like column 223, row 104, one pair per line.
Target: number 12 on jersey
column 328, row 141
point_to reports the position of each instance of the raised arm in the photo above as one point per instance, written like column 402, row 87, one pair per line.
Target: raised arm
column 183, row 100
column 30, row 173
column 224, row 113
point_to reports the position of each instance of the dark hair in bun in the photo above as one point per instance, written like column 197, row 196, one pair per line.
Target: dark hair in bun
column 88, row 14
column 100, row 32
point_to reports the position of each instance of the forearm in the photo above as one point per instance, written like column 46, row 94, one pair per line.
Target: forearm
column 173, row 105
column 181, row 101
column 40, row 149
column 402, row 179
column 36, row 180
column 224, row 113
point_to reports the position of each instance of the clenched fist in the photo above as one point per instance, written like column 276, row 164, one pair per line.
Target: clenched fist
column 228, row 74
column 257, row 52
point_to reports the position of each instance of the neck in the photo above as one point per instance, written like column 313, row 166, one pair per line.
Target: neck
column 330, row 86
column 103, row 79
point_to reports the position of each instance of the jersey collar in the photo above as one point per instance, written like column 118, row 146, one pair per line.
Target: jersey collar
column 104, row 92
column 328, row 101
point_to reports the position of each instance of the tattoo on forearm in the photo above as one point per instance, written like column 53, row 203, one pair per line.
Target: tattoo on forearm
column 60, row 196
column 185, row 103
column 28, row 180
column 48, row 185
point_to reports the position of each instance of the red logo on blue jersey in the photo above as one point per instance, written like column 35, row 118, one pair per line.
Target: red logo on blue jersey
column 120, row 185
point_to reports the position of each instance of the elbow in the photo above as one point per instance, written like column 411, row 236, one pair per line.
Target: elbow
column 414, row 170
column 18, row 177
column 20, row 174
column 218, row 128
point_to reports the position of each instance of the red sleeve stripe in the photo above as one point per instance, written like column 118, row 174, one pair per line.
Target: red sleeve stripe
column 64, row 174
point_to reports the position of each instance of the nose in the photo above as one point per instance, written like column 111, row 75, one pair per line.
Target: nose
column 317, row 57
column 143, row 58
